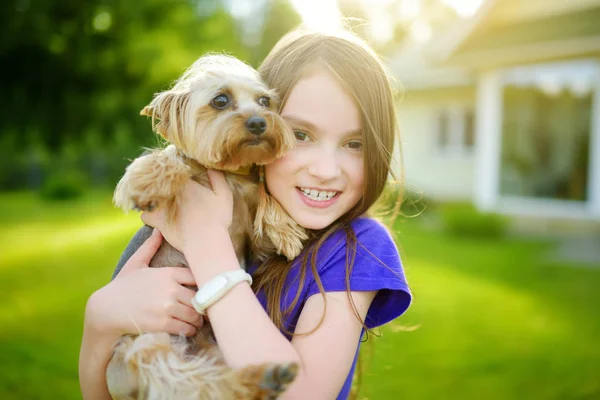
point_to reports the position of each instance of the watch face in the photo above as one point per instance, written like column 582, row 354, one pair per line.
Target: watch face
column 210, row 289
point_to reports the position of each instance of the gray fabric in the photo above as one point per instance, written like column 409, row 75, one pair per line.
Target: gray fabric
column 138, row 239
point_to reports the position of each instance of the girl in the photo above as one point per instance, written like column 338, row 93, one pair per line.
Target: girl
column 313, row 311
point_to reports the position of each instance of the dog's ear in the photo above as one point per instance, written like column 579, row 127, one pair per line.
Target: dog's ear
column 158, row 124
column 167, row 111
column 160, row 111
column 148, row 111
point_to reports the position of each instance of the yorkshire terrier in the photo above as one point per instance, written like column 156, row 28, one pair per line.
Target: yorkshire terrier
column 218, row 115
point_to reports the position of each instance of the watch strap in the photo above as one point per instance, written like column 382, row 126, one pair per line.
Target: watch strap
column 217, row 287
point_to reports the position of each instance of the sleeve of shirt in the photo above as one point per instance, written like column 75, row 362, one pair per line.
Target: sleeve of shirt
column 377, row 266
column 138, row 239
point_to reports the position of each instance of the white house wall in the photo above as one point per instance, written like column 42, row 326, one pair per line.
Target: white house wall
column 443, row 175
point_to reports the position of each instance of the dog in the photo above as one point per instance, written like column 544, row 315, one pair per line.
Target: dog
column 218, row 115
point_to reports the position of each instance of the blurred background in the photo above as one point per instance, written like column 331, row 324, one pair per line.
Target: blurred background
column 500, row 125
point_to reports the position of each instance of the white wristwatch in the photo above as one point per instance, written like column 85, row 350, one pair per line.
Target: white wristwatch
column 217, row 287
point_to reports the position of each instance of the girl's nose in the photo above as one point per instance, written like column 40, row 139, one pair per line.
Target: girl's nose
column 325, row 166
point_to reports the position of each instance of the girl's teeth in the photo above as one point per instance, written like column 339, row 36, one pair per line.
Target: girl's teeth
column 317, row 195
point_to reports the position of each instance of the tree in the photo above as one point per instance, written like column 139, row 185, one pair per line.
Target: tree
column 69, row 66
column 74, row 68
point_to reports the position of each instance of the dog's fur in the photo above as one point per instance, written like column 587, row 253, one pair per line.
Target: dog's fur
column 218, row 115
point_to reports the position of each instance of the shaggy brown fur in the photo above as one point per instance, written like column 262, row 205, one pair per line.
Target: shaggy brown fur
column 218, row 115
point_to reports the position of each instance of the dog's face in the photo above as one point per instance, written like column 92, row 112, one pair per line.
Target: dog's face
column 221, row 114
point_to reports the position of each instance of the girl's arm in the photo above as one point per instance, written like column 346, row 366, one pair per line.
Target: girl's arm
column 328, row 353
column 245, row 333
column 246, row 336
column 96, row 349
column 138, row 299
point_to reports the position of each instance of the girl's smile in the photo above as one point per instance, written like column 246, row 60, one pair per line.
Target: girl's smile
column 322, row 177
column 320, row 198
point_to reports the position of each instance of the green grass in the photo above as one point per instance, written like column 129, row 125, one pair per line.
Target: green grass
column 492, row 319
column 495, row 320
column 54, row 255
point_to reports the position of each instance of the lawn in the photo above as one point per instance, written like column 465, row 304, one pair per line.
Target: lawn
column 490, row 319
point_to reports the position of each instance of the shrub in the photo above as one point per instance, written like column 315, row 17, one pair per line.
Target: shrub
column 465, row 220
column 413, row 203
column 64, row 185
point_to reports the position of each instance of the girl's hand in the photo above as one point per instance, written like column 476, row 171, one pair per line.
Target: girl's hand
column 143, row 299
column 202, row 212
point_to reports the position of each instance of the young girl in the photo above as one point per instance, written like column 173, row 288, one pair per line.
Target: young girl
column 313, row 311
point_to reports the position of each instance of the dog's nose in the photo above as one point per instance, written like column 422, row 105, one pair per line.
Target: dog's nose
column 256, row 125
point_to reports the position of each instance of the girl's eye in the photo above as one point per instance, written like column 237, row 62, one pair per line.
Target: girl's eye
column 355, row 145
column 301, row 136
column 220, row 102
column 264, row 101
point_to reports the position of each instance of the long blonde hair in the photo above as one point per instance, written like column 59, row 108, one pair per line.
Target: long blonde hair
column 364, row 77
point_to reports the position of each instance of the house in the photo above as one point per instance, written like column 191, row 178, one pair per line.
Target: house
column 504, row 111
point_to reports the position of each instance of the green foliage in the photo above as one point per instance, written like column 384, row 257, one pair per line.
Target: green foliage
column 396, row 200
column 79, row 68
column 12, row 169
column 66, row 185
column 414, row 203
column 74, row 76
column 465, row 220
column 71, row 64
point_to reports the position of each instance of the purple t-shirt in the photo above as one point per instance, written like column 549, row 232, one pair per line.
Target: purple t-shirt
column 377, row 266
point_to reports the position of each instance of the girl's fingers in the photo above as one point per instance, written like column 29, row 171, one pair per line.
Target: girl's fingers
column 185, row 295
column 183, row 276
column 187, row 315
column 144, row 254
column 149, row 248
column 217, row 181
column 177, row 327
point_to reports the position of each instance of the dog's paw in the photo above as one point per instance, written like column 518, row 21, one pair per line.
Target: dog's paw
column 277, row 377
column 152, row 180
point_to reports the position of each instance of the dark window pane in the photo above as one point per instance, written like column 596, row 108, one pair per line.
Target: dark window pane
column 545, row 143
column 469, row 136
column 443, row 129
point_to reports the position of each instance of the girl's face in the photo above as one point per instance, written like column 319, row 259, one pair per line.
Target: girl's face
column 322, row 177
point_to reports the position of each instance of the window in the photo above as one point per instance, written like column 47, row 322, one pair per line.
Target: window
column 546, row 130
column 443, row 129
column 455, row 130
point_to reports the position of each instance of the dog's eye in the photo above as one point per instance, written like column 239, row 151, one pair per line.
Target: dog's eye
column 220, row 102
column 264, row 101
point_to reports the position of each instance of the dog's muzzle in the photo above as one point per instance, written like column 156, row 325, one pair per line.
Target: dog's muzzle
column 256, row 125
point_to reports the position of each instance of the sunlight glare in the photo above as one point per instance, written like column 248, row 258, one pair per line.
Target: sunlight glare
column 319, row 14
column 464, row 8
column 420, row 31
column 409, row 9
